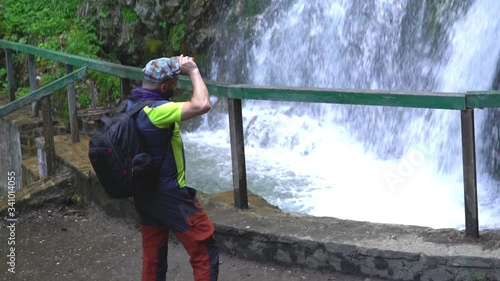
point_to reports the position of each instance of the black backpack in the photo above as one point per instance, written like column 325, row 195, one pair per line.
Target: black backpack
column 119, row 156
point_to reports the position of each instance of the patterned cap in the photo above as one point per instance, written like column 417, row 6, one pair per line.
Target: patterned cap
column 160, row 69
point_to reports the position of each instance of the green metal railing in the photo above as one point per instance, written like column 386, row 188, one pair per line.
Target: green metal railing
column 465, row 102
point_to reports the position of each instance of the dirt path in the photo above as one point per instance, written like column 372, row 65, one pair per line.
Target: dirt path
column 70, row 243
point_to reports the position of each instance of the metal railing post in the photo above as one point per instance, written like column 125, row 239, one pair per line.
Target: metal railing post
column 48, row 134
column 73, row 119
column 35, row 106
column 10, row 74
column 238, row 153
column 470, row 178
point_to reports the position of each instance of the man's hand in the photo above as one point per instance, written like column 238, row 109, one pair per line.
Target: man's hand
column 188, row 66
column 200, row 101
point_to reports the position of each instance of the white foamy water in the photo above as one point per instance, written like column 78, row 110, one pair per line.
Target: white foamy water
column 375, row 164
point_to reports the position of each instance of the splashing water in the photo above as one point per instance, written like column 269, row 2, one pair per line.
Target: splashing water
column 379, row 164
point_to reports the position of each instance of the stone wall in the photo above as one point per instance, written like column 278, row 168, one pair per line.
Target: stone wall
column 138, row 30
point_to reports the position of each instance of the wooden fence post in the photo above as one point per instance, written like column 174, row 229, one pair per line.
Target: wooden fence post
column 35, row 106
column 238, row 153
column 10, row 74
column 125, row 87
column 73, row 119
column 470, row 179
column 48, row 134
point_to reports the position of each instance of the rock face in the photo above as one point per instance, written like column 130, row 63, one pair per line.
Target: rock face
column 135, row 31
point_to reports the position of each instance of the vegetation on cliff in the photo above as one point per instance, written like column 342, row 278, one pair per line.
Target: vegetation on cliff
column 32, row 22
column 127, row 32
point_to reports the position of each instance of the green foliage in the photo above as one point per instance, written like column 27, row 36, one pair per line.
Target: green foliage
column 77, row 199
column 81, row 40
column 108, row 85
column 55, row 25
column 4, row 85
column 53, row 74
column 84, row 100
column 153, row 48
column 34, row 21
column 132, row 46
column 103, row 14
column 129, row 15
column 176, row 35
column 21, row 92
column 2, row 20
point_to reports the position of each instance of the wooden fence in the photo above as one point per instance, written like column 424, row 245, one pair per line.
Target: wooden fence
column 465, row 102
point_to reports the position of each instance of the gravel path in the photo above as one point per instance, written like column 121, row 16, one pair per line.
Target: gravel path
column 81, row 243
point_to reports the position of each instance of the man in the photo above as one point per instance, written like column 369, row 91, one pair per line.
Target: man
column 173, row 206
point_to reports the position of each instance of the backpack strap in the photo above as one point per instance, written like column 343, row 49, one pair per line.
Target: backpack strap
column 122, row 106
column 136, row 108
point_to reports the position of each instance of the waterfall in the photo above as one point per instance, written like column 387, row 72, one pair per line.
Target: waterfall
column 369, row 163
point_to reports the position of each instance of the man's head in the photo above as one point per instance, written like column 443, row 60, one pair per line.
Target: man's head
column 162, row 74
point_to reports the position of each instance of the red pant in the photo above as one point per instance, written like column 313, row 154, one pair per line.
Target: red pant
column 179, row 211
column 204, row 255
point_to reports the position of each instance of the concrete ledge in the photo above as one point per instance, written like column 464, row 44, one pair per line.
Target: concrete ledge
column 266, row 234
column 57, row 189
column 75, row 157
column 389, row 251
column 30, row 171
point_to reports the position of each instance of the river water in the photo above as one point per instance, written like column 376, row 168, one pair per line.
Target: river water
column 367, row 163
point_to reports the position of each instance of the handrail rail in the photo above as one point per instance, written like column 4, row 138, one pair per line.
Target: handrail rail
column 465, row 102
column 346, row 96
column 455, row 101
column 44, row 91
column 79, row 61
column 483, row 99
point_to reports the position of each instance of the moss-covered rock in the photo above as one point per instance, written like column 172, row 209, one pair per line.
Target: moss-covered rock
column 135, row 31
